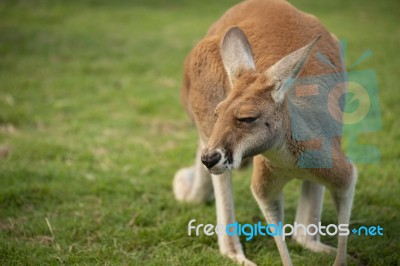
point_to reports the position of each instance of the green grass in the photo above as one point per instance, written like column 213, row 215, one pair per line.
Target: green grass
column 92, row 132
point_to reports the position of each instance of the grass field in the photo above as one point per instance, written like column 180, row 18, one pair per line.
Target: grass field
column 92, row 132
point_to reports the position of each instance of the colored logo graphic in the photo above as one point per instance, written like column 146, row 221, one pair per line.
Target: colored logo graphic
column 281, row 230
column 325, row 107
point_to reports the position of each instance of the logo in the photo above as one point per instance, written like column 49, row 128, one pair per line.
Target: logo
column 325, row 107
column 281, row 230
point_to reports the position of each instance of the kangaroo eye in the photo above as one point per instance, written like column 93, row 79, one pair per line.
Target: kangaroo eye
column 247, row 119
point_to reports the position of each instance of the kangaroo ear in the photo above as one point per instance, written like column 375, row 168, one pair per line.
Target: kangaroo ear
column 285, row 71
column 236, row 53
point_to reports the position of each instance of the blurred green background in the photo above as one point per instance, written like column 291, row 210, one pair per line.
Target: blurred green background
column 92, row 132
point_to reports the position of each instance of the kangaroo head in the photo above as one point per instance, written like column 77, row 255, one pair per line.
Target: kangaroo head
column 252, row 118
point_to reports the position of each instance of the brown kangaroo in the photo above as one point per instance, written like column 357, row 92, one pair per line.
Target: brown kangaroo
column 242, row 88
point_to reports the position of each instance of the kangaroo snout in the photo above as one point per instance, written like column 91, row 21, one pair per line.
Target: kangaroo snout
column 210, row 158
column 218, row 160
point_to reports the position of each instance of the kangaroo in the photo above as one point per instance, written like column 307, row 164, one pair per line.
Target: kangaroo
column 247, row 88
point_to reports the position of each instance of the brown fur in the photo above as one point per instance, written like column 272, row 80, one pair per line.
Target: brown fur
column 274, row 29
column 272, row 34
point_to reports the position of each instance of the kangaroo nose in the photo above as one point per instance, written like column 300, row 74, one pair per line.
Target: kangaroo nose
column 210, row 159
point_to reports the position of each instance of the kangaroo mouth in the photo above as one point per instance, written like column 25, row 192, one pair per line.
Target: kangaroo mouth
column 217, row 161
